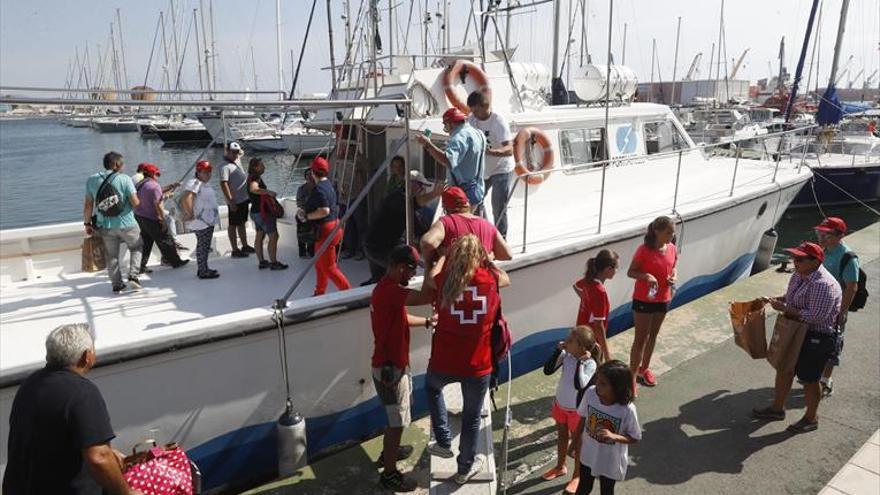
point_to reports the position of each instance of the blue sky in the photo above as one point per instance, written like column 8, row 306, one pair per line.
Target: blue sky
column 37, row 37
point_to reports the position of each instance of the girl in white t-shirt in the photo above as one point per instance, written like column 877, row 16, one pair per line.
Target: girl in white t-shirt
column 609, row 419
column 578, row 356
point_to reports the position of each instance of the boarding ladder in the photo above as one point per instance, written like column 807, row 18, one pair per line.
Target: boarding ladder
column 443, row 470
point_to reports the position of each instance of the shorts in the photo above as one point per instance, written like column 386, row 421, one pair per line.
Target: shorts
column 649, row 307
column 268, row 226
column 395, row 398
column 838, row 348
column 816, row 351
column 563, row 416
column 240, row 215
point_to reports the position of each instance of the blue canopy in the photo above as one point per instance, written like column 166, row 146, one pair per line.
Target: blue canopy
column 830, row 112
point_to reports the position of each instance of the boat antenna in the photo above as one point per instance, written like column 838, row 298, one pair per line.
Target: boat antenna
column 559, row 95
column 607, row 102
column 800, row 66
column 675, row 63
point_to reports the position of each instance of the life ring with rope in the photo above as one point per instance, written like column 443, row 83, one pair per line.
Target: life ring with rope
column 458, row 72
column 525, row 138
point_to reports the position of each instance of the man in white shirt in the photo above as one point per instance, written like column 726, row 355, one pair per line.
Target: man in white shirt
column 499, row 155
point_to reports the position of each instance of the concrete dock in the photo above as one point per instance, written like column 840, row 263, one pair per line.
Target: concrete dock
column 698, row 436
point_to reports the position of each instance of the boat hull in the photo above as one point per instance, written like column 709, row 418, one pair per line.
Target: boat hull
column 220, row 399
column 861, row 183
column 108, row 127
column 183, row 136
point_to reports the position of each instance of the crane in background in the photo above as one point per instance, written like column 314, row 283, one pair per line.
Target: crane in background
column 853, row 79
column 869, row 80
column 694, row 70
column 738, row 64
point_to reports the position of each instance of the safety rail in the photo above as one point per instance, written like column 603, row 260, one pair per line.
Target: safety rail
column 602, row 166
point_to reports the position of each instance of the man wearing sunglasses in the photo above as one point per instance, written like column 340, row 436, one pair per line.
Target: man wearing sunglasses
column 843, row 264
column 813, row 296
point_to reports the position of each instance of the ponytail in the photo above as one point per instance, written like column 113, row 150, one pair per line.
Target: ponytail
column 604, row 259
column 659, row 224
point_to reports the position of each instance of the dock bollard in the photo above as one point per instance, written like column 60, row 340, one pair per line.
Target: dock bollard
column 292, row 442
column 765, row 251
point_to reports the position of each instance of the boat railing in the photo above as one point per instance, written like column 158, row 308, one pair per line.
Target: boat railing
column 602, row 166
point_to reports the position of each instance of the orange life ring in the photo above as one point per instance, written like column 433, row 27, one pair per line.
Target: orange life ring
column 455, row 73
column 525, row 137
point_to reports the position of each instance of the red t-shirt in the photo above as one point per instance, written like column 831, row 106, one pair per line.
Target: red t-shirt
column 457, row 225
column 660, row 265
column 462, row 344
column 594, row 302
column 390, row 330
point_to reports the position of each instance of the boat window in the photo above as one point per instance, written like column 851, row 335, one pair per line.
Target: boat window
column 661, row 137
column 580, row 146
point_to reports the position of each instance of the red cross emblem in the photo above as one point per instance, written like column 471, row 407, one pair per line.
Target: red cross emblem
column 469, row 306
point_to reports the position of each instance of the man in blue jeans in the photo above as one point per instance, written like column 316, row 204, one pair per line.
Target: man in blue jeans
column 499, row 155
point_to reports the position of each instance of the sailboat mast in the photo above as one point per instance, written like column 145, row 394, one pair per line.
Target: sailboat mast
column 800, row 66
column 653, row 52
column 122, row 49
column 198, row 51
column 206, row 53
column 332, row 50
column 623, row 50
column 278, row 44
column 213, row 45
column 675, row 63
column 841, row 27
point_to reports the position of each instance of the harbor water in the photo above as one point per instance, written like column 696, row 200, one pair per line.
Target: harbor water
column 44, row 165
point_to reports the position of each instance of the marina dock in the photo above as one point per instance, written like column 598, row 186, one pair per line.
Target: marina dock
column 698, row 436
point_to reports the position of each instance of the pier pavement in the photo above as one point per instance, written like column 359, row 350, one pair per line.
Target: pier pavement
column 698, row 436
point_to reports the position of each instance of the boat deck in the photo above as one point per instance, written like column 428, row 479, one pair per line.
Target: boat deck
column 175, row 308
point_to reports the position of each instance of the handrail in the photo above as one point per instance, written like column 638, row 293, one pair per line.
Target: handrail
column 141, row 91
column 317, row 104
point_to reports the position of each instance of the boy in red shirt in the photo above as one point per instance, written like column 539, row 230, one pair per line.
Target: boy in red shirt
column 391, row 375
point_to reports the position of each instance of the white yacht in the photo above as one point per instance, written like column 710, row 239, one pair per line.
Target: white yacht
column 198, row 361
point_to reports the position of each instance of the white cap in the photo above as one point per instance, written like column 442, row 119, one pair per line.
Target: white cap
column 234, row 146
column 417, row 176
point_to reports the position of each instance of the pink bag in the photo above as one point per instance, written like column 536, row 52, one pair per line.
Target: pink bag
column 160, row 471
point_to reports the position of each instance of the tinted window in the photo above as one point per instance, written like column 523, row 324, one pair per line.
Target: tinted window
column 580, row 146
column 661, row 137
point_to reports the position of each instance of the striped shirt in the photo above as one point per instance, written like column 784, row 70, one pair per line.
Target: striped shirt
column 817, row 297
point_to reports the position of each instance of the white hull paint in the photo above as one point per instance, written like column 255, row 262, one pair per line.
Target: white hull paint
column 220, row 399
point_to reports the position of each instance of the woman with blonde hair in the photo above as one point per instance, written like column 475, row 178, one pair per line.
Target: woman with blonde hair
column 466, row 301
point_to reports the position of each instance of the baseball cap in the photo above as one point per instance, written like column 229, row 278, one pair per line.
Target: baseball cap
column 203, row 165
column 454, row 198
column 832, row 224
column 810, row 249
column 454, row 115
column 404, row 254
column 234, row 146
column 417, row 176
column 320, row 164
column 151, row 170
column 142, row 165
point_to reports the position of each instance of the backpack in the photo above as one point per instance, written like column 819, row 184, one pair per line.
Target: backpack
column 108, row 201
column 861, row 296
column 501, row 342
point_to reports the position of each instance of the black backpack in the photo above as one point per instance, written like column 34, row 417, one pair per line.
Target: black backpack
column 108, row 201
column 861, row 296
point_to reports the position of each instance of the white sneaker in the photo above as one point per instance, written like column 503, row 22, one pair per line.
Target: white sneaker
column 440, row 451
column 475, row 469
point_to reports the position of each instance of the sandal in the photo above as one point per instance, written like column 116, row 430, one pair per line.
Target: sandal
column 554, row 473
column 571, row 487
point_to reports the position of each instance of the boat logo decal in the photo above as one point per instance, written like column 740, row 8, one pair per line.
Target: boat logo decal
column 626, row 140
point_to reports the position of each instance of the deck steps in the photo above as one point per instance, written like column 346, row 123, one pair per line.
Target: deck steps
column 443, row 470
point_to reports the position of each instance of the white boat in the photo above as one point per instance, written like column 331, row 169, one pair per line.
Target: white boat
column 199, row 360
column 115, row 124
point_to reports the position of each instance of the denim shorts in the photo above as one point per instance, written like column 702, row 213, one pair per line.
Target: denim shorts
column 268, row 226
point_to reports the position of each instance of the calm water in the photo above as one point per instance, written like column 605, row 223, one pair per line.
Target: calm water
column 44, row 166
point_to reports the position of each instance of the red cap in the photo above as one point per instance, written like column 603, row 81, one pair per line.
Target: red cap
column 454, row 115
column 404, row 254
column 832, row 224
column 151, row 170
column 810, row 249
column 203, row 165
column 142, row 165
column 320, row 164
column 454, row 198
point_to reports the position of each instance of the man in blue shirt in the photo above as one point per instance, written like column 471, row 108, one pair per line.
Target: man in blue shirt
column 830, row 234
column 120, row 227
column 464, row 157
